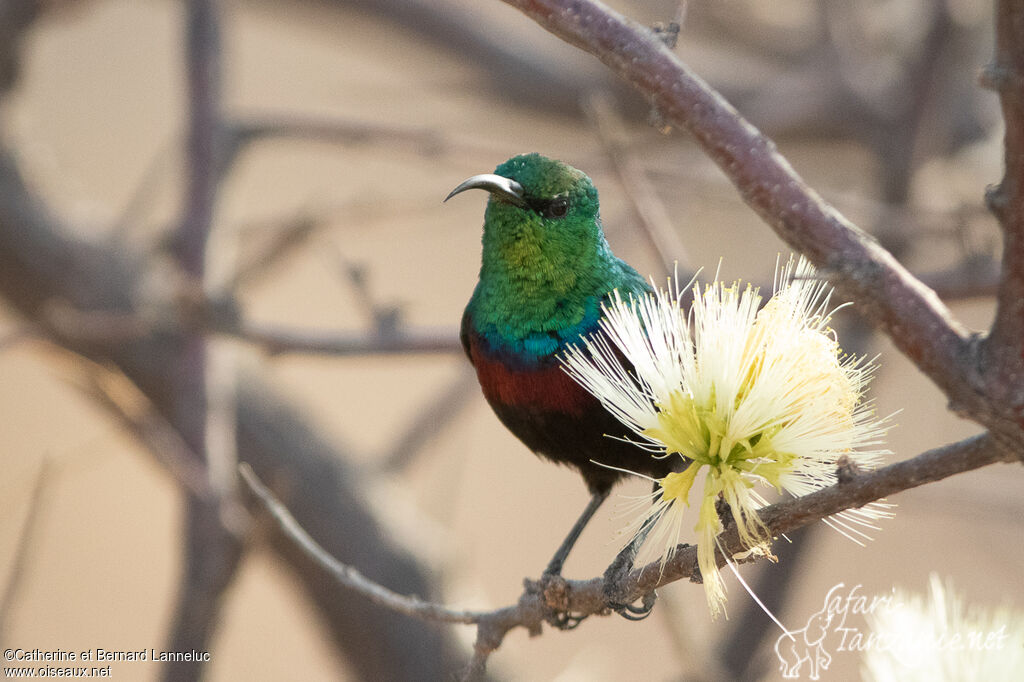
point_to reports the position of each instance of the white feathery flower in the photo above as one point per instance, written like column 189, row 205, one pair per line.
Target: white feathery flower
column 745, row 394
column 939, row 638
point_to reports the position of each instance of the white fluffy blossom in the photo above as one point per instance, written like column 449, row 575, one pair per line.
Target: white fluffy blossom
column 746, row 395
column 939, row 638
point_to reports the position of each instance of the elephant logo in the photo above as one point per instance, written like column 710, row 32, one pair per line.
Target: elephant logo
column 806, row 645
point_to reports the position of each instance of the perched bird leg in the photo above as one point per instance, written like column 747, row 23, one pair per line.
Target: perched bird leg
column 619, row 569
column 558, row 561
column 564, row 620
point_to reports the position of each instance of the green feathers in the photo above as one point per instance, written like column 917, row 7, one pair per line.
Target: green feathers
column 546, row 264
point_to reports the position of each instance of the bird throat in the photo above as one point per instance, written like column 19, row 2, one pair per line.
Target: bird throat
column 531, row 305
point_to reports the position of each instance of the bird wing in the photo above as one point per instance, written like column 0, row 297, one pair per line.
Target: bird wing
column 464, row 330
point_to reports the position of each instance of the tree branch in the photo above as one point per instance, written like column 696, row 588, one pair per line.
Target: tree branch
column 347, row 575
column 892, row 299
column 863, row 271
column 43, row 261
column 653, row 218
column 587, row 597
column 213, row 550
column 278, row 340
column 1005, row 345
column 114, row 392
column 23, row 547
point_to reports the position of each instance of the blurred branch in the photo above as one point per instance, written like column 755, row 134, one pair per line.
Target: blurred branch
column 974, row 277
column 774, row 587
column 15, row 17
column 205, row 127
column 145, row 191
column 1005, row 345
column 653, row 218
column 443, row 408
column 828, row 80
column 109, row 328
column 291, row 234
column 897, row 137
column 13, row 337
column 100, row 327
column 347, row 575
column 523, row 70
column 116, row 393
column 384, row 317
column 278, row 340
column 735, row 24
column 43, row 261
column 213, row 548
column 20, row 556
column 320, row 486
column 244, row 130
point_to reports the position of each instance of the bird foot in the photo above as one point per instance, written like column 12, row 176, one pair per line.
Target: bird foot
column 555, row 591
column 631, row 612
column 614, row 595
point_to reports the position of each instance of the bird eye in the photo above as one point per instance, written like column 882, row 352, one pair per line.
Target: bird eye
column 557, row 208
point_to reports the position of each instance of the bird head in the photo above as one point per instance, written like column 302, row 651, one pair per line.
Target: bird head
column 541, row 220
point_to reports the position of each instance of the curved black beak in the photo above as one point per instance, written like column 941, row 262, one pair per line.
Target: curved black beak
column 503, row 188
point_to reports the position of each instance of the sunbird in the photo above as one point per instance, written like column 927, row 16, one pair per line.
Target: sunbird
column 546, row 270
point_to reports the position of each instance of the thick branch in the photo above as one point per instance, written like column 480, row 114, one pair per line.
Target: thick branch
column 41, row 262
column 213, row 551
column 911, row 314
column 204, row 129
column 1006, row 343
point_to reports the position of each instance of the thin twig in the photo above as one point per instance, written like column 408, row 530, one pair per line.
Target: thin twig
column 278, row 340
column 347, row 575
column 652, row 216
column 240, row 131
column 444, row 407
column 285, row 240
column 974, row 277
column 23, row 548
column 102, row 328
column 247, row 129
column 95, row 327
column 384, row 317
column 156, row 173
column 116, row 393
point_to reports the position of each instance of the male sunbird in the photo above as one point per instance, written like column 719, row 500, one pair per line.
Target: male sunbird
column 546, row 269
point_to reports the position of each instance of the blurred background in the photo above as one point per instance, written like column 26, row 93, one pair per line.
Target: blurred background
column 334, row 282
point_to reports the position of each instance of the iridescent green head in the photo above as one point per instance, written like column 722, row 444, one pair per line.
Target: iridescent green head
column 545, row 262
column 541, row 226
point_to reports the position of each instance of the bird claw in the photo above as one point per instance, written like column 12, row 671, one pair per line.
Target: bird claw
column 613, row 578
column 564, row 620
column 630, row 612
column 555, row 592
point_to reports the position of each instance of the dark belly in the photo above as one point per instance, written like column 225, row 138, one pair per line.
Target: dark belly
column 559, row 420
